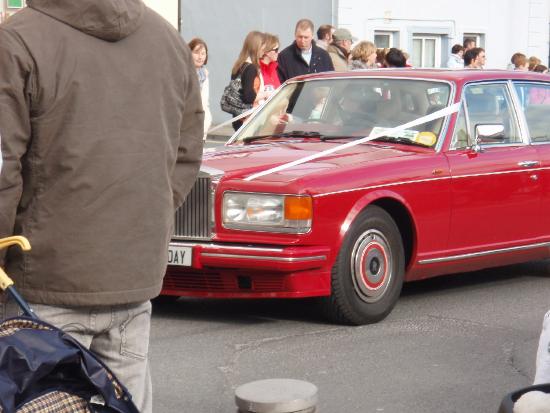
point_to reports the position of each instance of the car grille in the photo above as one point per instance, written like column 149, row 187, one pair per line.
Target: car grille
column 194, row 218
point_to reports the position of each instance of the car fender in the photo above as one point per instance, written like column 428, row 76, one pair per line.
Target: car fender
column 371, row 198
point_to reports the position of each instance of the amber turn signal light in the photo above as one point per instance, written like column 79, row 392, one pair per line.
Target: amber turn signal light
column 298, row 208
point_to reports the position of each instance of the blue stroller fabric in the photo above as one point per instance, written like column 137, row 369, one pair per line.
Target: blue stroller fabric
column 43, row 369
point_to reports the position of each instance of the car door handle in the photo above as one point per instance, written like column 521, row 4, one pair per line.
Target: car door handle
column 528, row 164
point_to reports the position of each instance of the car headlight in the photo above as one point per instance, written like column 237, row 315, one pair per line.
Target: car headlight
column 267, row 212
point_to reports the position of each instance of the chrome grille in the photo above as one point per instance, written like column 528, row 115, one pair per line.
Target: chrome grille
column 193, row 219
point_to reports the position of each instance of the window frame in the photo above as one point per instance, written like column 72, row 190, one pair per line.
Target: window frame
column 514, row 106
column 479, row 38
column 389, row 33
column 521, row 114
column 437, row 48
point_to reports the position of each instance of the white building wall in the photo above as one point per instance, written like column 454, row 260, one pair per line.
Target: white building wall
column 166, row 8
column 507, row 26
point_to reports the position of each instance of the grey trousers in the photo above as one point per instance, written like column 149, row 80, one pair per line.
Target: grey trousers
column 118, row 335
column 542, row 374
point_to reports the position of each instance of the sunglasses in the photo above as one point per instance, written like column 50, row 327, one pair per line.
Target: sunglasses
column 276, row 50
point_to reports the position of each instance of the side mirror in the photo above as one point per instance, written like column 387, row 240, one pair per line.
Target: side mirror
column 489, row 133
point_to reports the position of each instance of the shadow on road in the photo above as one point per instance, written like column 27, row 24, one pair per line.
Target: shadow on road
column 249, row 312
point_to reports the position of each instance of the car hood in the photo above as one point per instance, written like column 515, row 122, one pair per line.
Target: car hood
column 243, row 161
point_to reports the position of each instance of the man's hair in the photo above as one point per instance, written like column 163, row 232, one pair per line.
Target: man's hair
column 472, row 55
column 468, row 41
column 469, row 56
column 323, row 30
column 456, row 48
column 304, row 24
column 519, row 60
column 395, row 58
column 515, row 56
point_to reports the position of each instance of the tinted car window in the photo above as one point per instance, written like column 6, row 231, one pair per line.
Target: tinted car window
column 535, row 102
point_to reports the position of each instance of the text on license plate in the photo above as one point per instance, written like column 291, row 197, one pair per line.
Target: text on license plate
column 179, row 255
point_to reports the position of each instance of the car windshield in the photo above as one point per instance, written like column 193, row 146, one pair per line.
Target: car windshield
column 348, row 108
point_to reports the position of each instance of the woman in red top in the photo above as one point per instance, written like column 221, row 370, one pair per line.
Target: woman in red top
column 268, row 63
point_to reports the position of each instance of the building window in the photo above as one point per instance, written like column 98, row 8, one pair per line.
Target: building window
column 478, row 37
column 426, row 51
column 384, row 39
column 15, row 4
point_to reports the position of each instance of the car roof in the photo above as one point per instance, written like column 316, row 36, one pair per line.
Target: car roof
column 450, row 75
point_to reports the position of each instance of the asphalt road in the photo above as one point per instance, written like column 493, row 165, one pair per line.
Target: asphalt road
column 452, row 344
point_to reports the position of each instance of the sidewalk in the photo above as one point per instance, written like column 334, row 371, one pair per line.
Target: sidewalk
column 220, row 135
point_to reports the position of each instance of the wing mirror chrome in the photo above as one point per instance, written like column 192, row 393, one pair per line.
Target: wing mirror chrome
column 487, row 133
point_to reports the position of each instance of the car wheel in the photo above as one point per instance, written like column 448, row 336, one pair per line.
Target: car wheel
column 368, row 273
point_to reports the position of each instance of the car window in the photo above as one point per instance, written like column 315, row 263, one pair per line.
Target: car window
column 491, row 104
column 535, row 103
column 460, row 136
column 353, row 107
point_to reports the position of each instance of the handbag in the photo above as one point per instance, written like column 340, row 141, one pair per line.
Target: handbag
column 231, row 101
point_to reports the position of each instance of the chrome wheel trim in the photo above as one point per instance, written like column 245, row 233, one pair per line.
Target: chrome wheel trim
column 371, row 266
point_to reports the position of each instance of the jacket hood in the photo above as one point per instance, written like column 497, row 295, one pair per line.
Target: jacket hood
column 110, row 20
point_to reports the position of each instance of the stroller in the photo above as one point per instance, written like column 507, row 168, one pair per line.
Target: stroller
column 43, row 369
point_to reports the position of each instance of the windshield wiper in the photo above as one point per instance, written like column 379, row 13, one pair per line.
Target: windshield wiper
column 331, row 137
column 292, row 134
column 401, row 140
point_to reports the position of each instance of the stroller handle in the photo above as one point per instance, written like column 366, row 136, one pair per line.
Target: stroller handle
column 15, row 240
column 24, row 244
column 6, row 283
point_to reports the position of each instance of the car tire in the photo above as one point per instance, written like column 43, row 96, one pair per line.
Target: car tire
column 368, row 273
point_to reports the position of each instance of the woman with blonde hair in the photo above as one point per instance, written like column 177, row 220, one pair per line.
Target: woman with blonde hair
column 247, row 66
column 363, row 56
column 268, row 63
column 533, row 61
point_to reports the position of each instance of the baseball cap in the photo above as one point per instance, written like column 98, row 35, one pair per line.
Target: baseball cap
column 343, row 34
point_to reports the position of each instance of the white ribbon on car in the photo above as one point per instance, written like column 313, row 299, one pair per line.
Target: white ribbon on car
column 227, row 122
column 427, row 118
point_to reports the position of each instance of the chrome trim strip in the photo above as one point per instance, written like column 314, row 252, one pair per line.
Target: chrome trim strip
column 483, row 253
column 211, row 171
column 228, row 247
column 264, row 258
column 520, row 116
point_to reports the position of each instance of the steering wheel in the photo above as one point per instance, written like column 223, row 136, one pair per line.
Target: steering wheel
column 356, row 117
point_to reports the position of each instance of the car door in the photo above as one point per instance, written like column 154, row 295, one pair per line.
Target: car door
column 535, row 106
column 495, row 187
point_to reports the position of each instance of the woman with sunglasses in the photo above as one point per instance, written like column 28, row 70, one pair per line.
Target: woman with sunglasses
column 268, row 63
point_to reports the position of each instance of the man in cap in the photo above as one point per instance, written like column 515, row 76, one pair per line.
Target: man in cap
column 340, row 48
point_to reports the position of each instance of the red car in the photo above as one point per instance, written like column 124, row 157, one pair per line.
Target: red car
column 345, row 185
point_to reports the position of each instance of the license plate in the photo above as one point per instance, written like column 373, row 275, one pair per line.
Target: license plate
column 179, row 255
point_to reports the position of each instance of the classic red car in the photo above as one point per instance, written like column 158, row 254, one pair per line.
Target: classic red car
column 344, row 185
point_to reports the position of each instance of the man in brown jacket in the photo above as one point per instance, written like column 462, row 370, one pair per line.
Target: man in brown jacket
column 101, row 124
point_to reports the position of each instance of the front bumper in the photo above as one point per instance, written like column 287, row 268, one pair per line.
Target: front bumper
column 250, row 271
